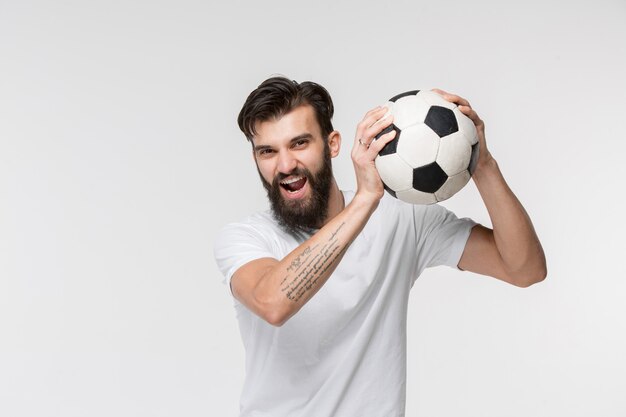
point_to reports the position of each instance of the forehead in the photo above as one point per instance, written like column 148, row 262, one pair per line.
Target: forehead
column 298, row 121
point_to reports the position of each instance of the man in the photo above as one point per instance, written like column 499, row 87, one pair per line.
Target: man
column 321, row 282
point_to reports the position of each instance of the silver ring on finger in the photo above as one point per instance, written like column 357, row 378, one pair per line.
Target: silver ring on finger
column 363, row 143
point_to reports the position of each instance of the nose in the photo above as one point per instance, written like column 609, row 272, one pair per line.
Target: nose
column 286, row 162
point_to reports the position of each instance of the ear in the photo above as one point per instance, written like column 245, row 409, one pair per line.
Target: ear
column 334, row 142
column 253, row 154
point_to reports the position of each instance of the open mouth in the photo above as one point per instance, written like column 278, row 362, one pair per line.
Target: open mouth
column 293, row 184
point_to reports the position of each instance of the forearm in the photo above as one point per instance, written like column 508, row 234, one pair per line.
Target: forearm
column 290, row 283
column 515, row 237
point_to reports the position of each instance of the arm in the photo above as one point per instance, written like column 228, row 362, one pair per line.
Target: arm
column 275, row 289
column 511, row 251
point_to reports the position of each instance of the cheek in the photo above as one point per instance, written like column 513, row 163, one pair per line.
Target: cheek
column 314, row 162
column 265, row 170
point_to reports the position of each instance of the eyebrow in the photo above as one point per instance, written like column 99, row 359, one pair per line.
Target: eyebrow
column 258, row 148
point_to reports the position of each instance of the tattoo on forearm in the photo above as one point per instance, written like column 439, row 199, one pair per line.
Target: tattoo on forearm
column 295, row 264
column 308, row 267
column 336, row 231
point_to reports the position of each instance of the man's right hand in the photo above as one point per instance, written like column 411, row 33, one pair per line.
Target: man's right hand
column 365, row 150
column 275, row 289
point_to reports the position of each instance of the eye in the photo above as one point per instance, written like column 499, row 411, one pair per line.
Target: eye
column 300, row 143
column 265, row 152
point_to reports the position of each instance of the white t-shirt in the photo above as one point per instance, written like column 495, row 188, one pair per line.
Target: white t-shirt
column 344, row 352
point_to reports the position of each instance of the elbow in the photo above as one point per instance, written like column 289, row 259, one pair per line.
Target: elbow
column 532, row 271
column 271, row 308
column 273, row 311
column 530, row 278
column 274, row 317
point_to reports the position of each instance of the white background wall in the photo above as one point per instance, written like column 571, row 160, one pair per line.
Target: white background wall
column 120, row 158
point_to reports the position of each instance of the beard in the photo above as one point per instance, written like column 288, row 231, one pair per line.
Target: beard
column 301, row 215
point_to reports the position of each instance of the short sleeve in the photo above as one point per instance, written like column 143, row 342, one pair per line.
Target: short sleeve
column 236, row 245
column 444, row 236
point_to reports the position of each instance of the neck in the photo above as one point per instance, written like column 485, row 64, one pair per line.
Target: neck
column 336, row 202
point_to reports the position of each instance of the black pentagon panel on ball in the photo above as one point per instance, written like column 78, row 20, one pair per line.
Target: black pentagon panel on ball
column 390, row 147
column 390, row 191
column 429, row 178
column 442, row 121
column 474, row 158
column 399, row 96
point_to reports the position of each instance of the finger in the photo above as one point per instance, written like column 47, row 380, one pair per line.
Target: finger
column 471, row 113
column 362, row 144
column 368, row 128
column 384, row 116
column 458, row 100
column 439, row 91
column 374, row 110
column 379, row 126
column 380, row 143
column 371, row 117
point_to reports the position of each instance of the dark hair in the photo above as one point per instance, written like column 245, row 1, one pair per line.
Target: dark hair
column 277, row 96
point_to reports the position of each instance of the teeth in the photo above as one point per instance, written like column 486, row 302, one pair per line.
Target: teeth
column 289, row 181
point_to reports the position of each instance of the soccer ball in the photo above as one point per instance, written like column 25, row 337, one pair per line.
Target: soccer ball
column 435, row 150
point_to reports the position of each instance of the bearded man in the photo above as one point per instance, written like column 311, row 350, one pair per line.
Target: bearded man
column 321, row 281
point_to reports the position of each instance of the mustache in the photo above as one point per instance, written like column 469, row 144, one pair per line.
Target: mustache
column 297, row 171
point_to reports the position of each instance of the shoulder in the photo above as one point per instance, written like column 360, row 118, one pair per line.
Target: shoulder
column 257, row 226
column 392, row 210
column 257, row 236
column 388, row 207
column 257, row 232
column 422, row 218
